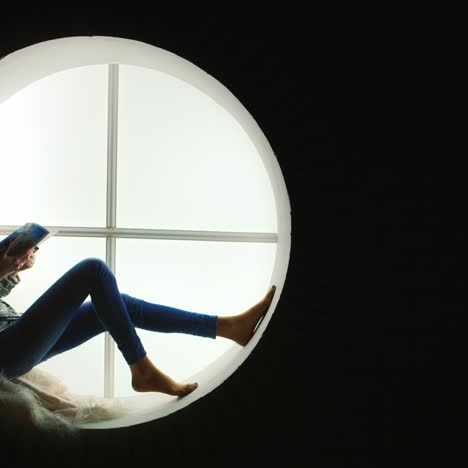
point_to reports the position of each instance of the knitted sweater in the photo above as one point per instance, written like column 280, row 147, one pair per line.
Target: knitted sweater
column 7, row 313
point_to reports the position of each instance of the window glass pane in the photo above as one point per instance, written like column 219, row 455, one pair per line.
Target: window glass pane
column 81, row 368
column 184, row 162
column 53, row 140
column 219, row 278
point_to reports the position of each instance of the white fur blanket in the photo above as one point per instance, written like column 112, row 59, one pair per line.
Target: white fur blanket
column 41, row 400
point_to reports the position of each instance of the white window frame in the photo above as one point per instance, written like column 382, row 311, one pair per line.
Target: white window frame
column 111, row 232
column 61, row 54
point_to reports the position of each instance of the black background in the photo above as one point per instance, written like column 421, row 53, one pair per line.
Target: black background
column 363, row 361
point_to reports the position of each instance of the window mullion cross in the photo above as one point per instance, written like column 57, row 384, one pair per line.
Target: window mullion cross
column 111, row 213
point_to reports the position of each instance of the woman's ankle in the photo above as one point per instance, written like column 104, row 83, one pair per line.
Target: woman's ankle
column 142, row 367
column 224, row 327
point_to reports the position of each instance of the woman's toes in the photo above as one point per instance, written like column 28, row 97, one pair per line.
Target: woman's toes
column 272, row 291
column 187, row 388
column 267, row 300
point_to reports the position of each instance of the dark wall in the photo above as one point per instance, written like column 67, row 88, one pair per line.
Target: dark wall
column 363, row 358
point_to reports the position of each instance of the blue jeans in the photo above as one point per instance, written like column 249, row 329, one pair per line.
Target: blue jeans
column 60, row 319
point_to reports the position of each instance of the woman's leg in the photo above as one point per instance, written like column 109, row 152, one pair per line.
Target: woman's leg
column 146, row 315
column 164, row 319
column 27, row 341
column 59, row 321
column 240, row 328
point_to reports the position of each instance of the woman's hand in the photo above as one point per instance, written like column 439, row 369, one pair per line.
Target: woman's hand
column 13, row 264
column 29, row 263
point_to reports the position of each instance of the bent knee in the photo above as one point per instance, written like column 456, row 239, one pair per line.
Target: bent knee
column 95, row 262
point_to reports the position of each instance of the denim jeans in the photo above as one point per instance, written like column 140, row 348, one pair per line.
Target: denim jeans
column 60, row 319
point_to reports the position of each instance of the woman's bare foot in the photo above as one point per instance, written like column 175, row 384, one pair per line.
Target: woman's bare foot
column 146, row 377
column 240, row 328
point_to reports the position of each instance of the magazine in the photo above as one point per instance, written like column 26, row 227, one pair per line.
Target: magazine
column 27, row 236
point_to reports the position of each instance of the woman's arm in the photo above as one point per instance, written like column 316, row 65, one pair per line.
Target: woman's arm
column 7, row 283
column 15, row 276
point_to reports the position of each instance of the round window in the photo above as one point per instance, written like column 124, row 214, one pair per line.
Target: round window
column 141, row 158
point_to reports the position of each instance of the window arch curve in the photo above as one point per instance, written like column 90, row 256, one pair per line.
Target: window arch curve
column 160, row 171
